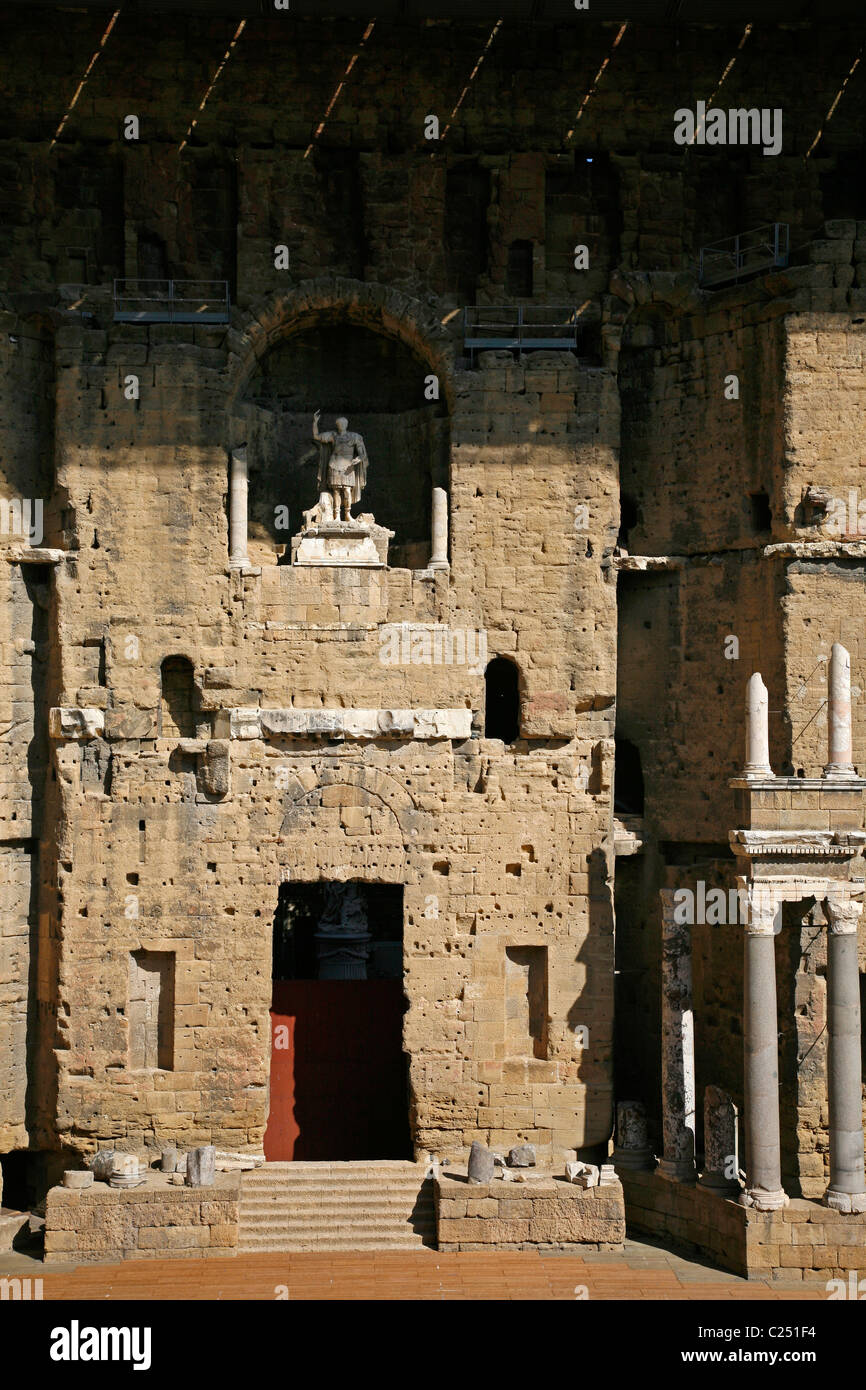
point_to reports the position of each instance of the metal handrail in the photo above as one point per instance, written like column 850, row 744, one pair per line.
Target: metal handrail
column 519, row 329
column 734, row 256
column 165, row 301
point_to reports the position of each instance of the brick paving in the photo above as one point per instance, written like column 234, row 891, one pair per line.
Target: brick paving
column 641, row 1271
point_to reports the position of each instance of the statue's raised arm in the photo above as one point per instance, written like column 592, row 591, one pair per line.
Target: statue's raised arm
column 327, row 437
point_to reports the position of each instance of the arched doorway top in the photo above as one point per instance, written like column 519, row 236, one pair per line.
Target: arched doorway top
column 330, row 299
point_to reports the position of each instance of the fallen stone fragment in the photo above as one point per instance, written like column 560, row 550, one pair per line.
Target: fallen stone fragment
column 521, row 1156
column 481, row 1165
column 201, row 1166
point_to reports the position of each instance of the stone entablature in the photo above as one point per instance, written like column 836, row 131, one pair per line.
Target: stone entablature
column 73, row 724
column 345, row 723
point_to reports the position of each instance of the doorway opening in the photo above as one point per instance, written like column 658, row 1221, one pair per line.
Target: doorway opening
column 339, row 1077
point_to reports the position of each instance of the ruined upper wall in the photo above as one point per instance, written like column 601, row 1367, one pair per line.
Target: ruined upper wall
column 350, row 183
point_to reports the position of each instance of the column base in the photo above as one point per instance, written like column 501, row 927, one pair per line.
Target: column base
column 722, row 1186
column 840, row 772
column 762, row 1200
column 757, row 772
column 640, row 1160
column 850, row 1202
column 677, row 1169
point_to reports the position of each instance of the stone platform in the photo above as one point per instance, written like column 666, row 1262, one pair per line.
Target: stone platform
column 156, row 1221
column 545, row 1211
column 803, row 1240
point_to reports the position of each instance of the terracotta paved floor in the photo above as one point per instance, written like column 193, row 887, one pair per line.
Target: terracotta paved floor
column 640, row 1272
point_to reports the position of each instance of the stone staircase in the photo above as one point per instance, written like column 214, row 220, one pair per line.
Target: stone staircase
column 337, row 1206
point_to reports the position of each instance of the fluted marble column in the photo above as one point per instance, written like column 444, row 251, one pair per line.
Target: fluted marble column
column 757, row 729
column 678, row 1048
column 238, row 508
column 763, row 1143
column 840, row 766
column 847, row 1187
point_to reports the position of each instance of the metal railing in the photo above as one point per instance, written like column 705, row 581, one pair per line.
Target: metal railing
column 171, row 301
column 519, row 327
column 765, row 248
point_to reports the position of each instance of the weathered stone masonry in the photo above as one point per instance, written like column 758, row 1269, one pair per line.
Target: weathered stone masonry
column 189, row 720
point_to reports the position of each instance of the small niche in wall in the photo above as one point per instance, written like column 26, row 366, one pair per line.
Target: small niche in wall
column 526, row 1001
column 761, row 512
column 151, row 1010
column 502, row 700
column 179, row 699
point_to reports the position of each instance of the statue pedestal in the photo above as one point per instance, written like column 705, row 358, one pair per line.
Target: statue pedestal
column 360, row 544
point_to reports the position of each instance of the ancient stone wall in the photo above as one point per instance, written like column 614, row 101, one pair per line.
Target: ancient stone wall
column 171, row 812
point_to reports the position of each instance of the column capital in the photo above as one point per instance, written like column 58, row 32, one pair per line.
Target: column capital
column 765, row 910
column 843, row 915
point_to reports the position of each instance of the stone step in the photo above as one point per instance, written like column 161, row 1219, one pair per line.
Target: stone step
column 335, row 1191
column 362, row 1165
column 316, row 1205
column 347, row 1180
column 298, row 1191
column 311, row 1231
column 387, row 1205
column 251, row 1245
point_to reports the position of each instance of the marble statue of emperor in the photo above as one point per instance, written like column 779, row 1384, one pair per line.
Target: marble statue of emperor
column 342, row 466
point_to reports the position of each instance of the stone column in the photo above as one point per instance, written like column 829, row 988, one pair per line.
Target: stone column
column 847, row 1187
column 439, row 556
column 632, row 1148
column 238, row 492
column 757, row 729
column 678, row 1048
column 763, row 1145
column 720, row 1142
column 840, row 767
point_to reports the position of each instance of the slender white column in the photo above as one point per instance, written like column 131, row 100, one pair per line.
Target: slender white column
column 678, row 1047
column 847, row 1188
column 840, row 766
column 757, row 729
column 439, row 557
column 238, row 494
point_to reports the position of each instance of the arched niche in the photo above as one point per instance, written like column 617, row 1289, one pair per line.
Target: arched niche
column 380, row 386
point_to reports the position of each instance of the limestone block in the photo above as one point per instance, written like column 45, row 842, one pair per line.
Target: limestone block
column 129, row 723
column 69, row 722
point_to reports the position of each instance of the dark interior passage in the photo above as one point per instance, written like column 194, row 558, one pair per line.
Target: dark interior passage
column 338, row 1072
